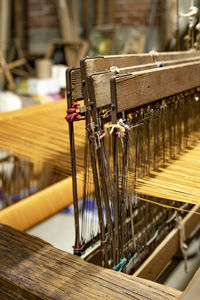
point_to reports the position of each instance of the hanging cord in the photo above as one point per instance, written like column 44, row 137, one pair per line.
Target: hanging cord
column 183, row 246
column 72, row 114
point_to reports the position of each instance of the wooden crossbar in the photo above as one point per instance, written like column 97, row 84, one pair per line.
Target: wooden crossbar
column 136, row 89
column 99, row 83
column 98, row 64
column 125, row 63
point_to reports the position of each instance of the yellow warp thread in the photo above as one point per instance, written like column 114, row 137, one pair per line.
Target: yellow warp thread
column 168, row 206
column 179, row 181
column 40, row 134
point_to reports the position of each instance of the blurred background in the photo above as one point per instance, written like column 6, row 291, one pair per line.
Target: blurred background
column 63, row 31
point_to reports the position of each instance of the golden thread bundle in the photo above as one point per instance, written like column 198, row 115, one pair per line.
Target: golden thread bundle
column 179, row 181
column 40, row 134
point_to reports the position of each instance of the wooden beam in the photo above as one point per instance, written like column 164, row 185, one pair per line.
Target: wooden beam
column 129, row 63
column 154, row 264
column 147, row 86
column 33, row 269
column 98, row 64
column 101, row 81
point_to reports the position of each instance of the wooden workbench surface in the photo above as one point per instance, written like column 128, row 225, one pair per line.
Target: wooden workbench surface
column 32, row 269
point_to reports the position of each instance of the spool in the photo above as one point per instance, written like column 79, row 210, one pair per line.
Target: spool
column 43, row 68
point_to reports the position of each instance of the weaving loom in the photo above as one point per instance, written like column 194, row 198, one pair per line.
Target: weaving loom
column 136, row 169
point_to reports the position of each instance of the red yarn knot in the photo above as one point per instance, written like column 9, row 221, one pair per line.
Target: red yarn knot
column 72, row 114
column 75, row 105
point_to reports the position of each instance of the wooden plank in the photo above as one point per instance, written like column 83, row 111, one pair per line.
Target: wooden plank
column 101, row 81
column 147, row 86
column 98, row 64
column 102, row 87
column 154, row 264
column 33, row 269
column 192, row 291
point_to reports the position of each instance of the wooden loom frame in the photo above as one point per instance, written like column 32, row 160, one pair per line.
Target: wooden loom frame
column 102, row 78
column 154, row 89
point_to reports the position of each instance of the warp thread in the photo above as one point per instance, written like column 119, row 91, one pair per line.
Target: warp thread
column 183, row 245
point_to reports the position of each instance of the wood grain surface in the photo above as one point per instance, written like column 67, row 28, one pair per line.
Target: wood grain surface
column 32, row 269
column 99, row 64
column 147, row 86
column 101, row 81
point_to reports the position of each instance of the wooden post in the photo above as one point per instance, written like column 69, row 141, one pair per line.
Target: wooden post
column 85, row 16
column 100, row 12
column 19, row 12
column 4, row 29
column 110, row 12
